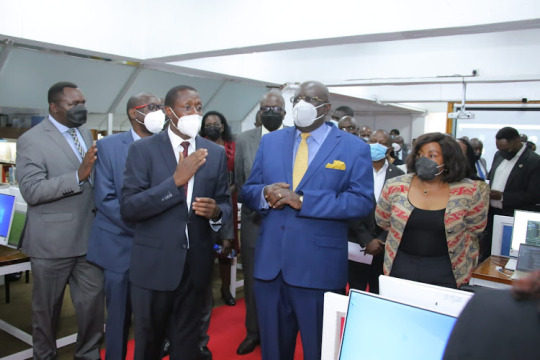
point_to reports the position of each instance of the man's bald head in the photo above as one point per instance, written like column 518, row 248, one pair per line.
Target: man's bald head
column 348, row 124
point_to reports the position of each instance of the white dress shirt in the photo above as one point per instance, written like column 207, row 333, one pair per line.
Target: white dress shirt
column 378, row 180
column 502, row 173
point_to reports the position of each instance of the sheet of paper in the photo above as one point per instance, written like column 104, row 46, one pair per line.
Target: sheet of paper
column 357, row 253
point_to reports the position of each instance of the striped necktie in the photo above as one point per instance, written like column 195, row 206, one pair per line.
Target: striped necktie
column 301, row 160
column 73, row 133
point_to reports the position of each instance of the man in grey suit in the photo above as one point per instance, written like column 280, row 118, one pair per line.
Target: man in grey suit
column 271, row 113
column 54, row 165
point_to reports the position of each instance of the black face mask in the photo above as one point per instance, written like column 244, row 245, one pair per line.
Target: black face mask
column 77, row 115
column 427, row 169
column 271, row 120
column 477, row 157
column 213, row 133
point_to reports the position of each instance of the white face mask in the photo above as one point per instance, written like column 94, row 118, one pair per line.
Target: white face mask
column 189, row 125
column 305, row 114
column 153, row 121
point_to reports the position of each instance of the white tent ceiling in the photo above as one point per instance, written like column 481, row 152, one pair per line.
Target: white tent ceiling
column 371, row 54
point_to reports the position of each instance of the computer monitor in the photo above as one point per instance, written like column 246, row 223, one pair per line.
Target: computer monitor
column 431, row 297
column 379, row 328
column 7, row 205
column 526, row 230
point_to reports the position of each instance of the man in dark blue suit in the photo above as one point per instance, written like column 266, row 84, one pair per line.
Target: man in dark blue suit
column 307, row 181
column 176, row 192
column 111, row 238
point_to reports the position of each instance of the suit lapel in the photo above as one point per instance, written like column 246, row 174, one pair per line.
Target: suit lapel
column 167, row 154
column 202, row 169
column 59, row 139
column 254, row 142
column 327, row 147
column 127, row 139
column 287, row 157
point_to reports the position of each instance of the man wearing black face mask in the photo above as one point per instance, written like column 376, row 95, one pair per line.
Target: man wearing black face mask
column 514, row 178
column 271, row 113
column 54, row 166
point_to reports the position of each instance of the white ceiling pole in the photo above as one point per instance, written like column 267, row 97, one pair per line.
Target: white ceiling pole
column 110, row 120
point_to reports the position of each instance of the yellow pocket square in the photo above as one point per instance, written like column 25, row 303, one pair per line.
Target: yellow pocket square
column 338, row 165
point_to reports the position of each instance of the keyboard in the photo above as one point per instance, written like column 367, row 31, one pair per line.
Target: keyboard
column 511, row 264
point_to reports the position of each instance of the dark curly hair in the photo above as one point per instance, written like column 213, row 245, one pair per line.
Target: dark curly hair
column 455, row 163
column 227, row 133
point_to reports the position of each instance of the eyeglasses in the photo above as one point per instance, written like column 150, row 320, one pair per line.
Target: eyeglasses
column 151, row 107
column 308, row 99
column 275, row 109
column 351, row 128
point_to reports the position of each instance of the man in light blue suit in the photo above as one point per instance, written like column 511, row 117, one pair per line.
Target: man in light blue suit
column 307, row 181
column 111, row 238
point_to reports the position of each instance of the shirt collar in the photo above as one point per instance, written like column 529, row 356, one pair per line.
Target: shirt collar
column 266, row 131
column 177, row 140
column 135, row 135
column 319, row 134
column 61, row 127
column 382, row 169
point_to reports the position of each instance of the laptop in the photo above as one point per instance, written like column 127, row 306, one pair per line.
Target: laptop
column 380, row 328
column 528, row 260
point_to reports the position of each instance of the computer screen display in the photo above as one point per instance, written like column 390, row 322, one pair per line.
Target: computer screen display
column 529, row 258
column 378, row 328
column 526, row 230
column 7, row 203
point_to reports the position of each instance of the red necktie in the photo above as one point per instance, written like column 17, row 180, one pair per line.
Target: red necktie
column 185, row 145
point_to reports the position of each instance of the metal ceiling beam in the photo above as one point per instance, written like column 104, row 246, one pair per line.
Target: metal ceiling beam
column 8, row 45
column 125, row 88
column 214, row 94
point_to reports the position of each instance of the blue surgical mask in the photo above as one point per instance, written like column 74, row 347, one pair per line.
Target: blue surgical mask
column 378, row 151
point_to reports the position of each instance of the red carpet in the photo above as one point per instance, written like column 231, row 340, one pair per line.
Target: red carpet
column 226, row 332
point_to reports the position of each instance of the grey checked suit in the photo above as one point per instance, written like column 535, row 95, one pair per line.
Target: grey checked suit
column 59, row 218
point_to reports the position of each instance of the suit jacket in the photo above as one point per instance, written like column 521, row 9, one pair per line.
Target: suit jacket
column 151, row 199
column 247, row 144
column 363, row 230
column 60, row 211
column 309, row 246
column 111, row 237
column 521, row 191
column 465, row 218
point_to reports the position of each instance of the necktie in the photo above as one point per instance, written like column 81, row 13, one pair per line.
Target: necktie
column 185, row 145
column 75, row 138
column 301, row 160
column 479, row 168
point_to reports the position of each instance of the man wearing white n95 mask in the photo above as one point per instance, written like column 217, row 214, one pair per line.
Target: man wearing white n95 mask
column 111, row 238
column 176, row 192
column 306, row 182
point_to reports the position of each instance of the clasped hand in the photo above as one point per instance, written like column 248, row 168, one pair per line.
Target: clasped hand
column 279, row 194
column 374, row 247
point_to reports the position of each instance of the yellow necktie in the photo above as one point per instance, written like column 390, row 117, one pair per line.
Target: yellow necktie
column 301, row 160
